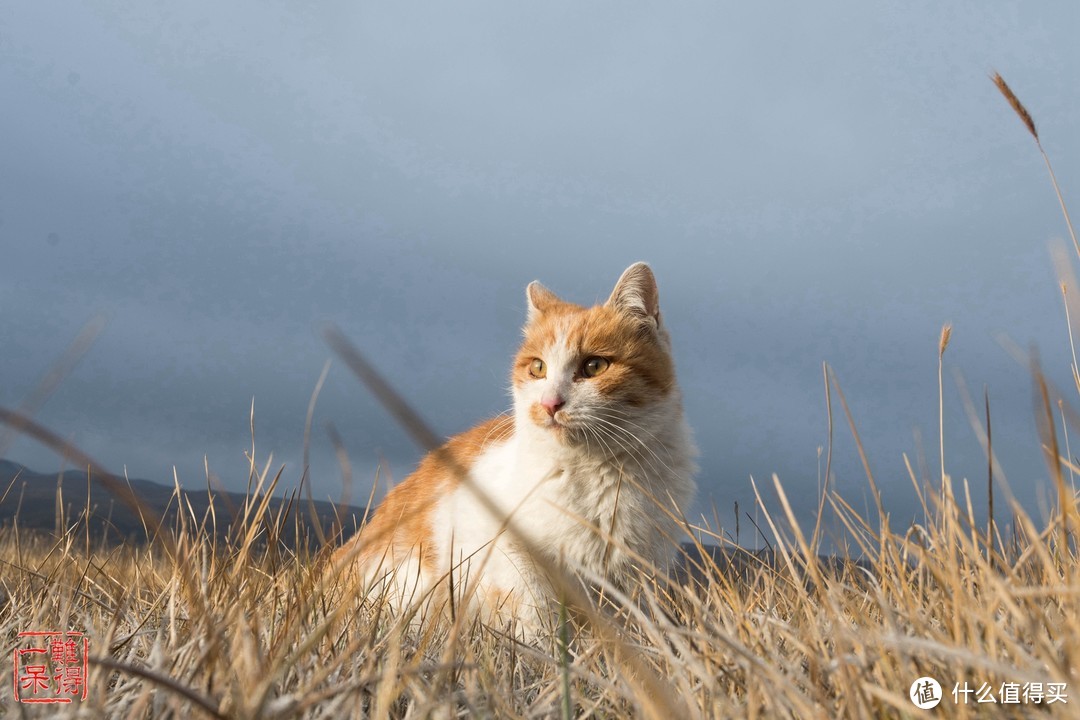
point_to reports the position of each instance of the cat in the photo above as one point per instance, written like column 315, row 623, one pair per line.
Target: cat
column 590, row 472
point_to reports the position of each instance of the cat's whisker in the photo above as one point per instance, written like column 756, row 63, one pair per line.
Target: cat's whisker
column 585, row 435
column 641, row 460
column 501, row 428
column 599, row 439
column 620, row 425
column 608, row 428
column 630, row 449
column 624, row 417
column 614, row 427
column 637, row 485
column 650, row 446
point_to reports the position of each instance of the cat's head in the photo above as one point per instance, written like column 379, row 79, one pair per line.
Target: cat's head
column 590, row 375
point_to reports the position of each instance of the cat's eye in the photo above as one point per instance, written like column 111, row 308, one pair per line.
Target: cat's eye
column 594, row 366
column 538, row 369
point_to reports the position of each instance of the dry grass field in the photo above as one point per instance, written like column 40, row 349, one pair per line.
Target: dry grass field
column 187, row 626
column 191, row 625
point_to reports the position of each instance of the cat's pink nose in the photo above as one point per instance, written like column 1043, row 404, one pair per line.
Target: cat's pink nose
column 552, row 403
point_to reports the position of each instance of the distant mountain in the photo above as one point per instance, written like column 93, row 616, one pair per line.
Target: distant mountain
column 129, row 510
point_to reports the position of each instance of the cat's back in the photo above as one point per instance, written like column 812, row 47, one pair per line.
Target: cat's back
column 404, row 522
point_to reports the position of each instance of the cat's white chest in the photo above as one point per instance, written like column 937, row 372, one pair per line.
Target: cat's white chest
column 503, row 496
column 520, row 500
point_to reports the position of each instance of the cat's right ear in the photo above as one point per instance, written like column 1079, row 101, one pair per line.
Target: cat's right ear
column 636, row 295
column 540, row 299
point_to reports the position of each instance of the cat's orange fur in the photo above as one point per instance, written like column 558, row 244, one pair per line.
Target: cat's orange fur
column 589, row 471
column 403, row 522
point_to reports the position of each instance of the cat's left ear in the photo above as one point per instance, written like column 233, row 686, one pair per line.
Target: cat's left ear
column 635, row 294
column 540, row 299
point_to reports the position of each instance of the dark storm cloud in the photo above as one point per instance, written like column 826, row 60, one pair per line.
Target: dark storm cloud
column 828, row 184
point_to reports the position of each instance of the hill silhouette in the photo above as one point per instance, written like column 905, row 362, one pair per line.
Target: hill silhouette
column 122, row 510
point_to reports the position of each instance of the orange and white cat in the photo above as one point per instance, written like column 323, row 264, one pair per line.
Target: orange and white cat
column 590, row 472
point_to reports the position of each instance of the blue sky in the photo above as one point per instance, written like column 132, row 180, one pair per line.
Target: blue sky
column 826, row 183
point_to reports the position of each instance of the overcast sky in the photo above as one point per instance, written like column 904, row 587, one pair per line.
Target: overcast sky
column 826, row 182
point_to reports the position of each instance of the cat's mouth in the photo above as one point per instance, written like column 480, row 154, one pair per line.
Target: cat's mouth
column 559, row 423
column 563, row 425
column 565, row 434
column 556, row 422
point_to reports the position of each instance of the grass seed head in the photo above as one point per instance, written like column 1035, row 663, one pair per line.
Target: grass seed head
column 1018, row 106
column 946, row 333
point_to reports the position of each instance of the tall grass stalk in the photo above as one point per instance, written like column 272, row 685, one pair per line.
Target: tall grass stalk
column 943, row 342
column 1029, row 123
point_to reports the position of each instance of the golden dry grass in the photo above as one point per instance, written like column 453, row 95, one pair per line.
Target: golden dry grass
column 241, row 630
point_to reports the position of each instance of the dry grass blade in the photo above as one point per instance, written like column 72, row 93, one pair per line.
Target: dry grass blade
column 1020, row 110
column 858, row 444
column 387, row 397
column 55, row 375
column 943, row 342
column 162, row 681
column 307, row 448
column 823, row 492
